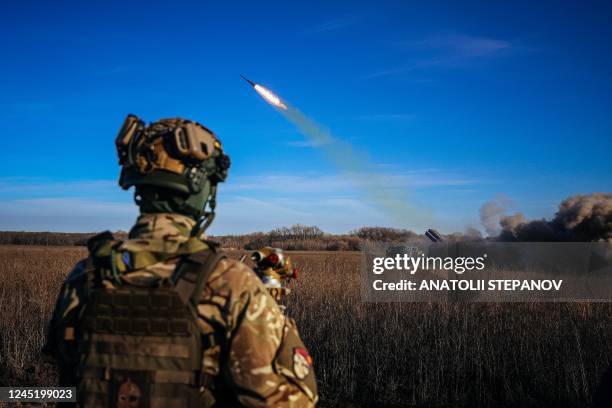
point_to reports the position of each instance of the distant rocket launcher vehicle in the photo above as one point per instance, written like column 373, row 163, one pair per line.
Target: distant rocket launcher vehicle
column 433, row 235
column 267, row 94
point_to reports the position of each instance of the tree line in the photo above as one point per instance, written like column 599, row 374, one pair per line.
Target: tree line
column 296, row 237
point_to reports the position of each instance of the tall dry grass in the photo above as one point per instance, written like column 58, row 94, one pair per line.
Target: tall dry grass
column 413, row 354
column 369, row 355
column 30, row 278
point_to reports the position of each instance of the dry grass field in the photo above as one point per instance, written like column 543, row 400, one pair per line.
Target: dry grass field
column 370, row 355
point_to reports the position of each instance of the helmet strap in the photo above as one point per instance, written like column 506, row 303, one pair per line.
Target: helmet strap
column 206, row 217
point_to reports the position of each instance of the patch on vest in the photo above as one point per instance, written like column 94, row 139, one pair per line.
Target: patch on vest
column 127, row 260
column 302, row 362
column 129, row 389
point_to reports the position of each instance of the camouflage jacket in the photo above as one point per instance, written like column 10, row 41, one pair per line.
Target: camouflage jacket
column 266, row 363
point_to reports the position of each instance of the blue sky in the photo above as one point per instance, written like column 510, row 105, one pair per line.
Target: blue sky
column 448, row 104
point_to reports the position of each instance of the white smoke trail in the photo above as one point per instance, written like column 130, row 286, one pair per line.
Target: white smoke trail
column 359, row 169
column 352, row 164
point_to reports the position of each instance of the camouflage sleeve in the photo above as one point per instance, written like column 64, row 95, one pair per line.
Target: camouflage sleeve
column 60, row 337
column 260, row 357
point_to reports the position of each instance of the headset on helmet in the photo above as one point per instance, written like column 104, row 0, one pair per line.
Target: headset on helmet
column 180, row 157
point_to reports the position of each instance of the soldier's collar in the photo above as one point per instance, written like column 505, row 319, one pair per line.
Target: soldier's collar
column 163, row 233
column 155, row 238
column 160, row 225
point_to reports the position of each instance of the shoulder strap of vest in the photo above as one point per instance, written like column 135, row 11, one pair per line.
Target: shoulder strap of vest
column 193, row 273
column 90, row 270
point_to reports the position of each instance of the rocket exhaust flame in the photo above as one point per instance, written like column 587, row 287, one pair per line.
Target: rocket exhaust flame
column 267, row 94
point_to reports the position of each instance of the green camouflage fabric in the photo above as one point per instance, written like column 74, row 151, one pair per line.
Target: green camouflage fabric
column 255, row 355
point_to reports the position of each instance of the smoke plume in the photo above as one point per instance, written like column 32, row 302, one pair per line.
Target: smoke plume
column 579, row 218
column 357, row 167
column 491, row 213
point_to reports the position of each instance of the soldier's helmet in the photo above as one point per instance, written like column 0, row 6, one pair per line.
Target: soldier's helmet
column 174, row 164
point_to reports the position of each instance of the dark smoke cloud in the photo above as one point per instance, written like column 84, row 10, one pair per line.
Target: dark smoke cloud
column 491, row 213
column 580, row 218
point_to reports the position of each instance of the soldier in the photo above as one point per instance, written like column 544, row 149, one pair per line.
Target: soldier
column 163, row 319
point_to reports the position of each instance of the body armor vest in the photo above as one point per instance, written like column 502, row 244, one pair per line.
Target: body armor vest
column 140, row 347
